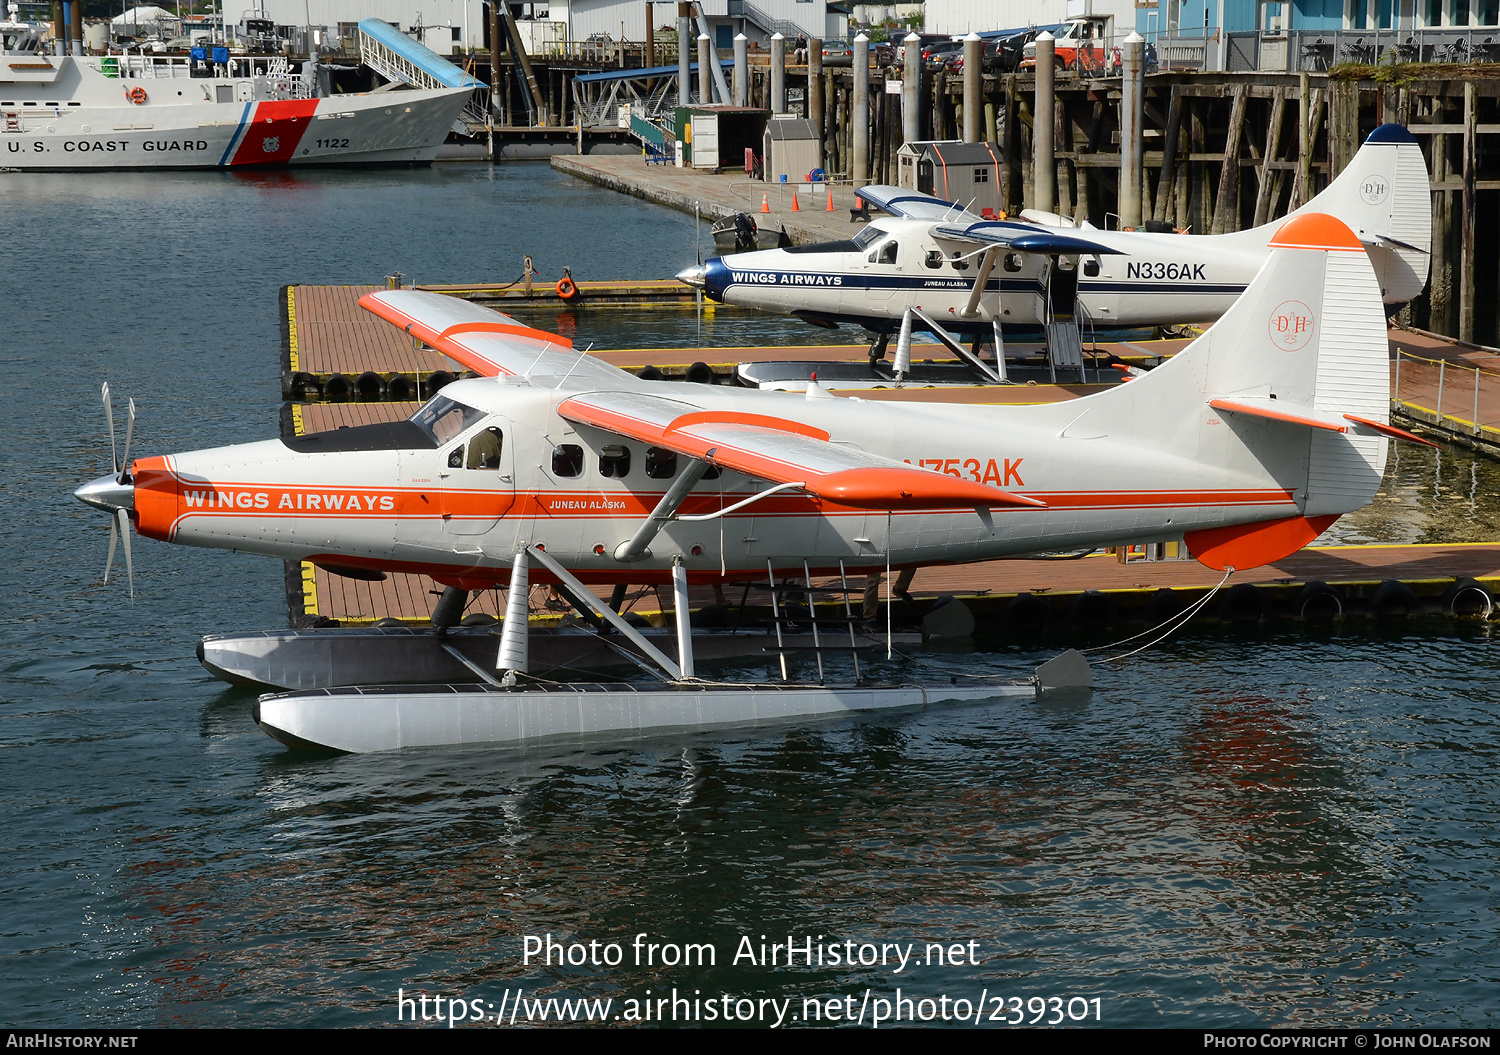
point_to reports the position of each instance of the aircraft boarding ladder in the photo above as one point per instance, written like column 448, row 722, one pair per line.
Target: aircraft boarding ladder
column 400, row 59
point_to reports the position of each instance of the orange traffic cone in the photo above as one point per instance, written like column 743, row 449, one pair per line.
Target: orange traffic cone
column 795, row 196
column 830, row 199
column 765, row 203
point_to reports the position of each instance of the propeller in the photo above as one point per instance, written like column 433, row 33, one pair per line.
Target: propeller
column 115, row 493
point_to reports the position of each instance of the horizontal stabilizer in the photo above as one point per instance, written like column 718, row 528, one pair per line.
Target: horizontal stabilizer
column 1280, row 410
column 1021, row 237
column 782, row 451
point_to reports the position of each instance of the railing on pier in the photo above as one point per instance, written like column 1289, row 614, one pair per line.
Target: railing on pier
column 1451, row 396
column 1317, row 51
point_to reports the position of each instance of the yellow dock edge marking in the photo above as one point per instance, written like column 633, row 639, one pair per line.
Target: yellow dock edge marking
column 309, row 590
column 293, row 359
column 298, row 427
column 1469, row 425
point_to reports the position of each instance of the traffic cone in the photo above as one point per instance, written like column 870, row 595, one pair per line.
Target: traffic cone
column 795, row 196
column 830, row 199
column 765, row 202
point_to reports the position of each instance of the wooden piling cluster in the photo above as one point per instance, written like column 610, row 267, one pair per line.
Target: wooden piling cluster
column 1223, row 151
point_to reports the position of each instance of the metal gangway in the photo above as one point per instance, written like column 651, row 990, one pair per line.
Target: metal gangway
column 402, row 60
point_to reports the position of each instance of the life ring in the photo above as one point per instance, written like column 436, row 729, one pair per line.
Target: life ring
column 136, row 95
column 566, row 289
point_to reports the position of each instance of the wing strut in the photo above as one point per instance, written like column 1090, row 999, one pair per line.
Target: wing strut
column 986, row 265
column 956, row 347
column 666, row 509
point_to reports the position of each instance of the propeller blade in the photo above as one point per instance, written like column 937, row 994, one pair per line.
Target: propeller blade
column 114, row 536
column 109, row 417
column 122, row 518
column 124, row 467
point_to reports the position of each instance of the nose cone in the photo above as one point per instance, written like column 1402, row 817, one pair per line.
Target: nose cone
column 107, row 493
column 695, row 276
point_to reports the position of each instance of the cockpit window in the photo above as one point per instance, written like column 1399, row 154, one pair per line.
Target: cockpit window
column 869, row 236
column 443, row 418
column 484, row 449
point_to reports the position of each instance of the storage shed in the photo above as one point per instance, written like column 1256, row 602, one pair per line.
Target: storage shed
column 965, row 173
column 791, row 150
column 714, row 137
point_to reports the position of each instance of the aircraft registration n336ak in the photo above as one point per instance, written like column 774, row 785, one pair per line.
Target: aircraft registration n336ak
column 1249, row 443
column 966, row 272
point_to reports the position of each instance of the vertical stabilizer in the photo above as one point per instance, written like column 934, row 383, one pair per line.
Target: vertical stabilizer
column 1384, row 196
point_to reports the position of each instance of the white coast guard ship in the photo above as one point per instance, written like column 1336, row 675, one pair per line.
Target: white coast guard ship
column 156, row 111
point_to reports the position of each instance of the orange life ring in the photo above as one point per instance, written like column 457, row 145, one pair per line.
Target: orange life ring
column 136, row 95
column 566, row 289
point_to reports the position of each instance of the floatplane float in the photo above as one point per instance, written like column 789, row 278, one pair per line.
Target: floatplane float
column 554, row 466
column 931, row 265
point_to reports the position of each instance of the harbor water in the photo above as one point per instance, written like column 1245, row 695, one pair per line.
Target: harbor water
column 1274, row 825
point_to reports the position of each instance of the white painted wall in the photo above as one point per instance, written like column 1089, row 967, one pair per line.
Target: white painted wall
column 961, row 16
column 467, row 15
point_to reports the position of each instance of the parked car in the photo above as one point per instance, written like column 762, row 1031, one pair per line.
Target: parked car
column 837, row 53
column 936, row 55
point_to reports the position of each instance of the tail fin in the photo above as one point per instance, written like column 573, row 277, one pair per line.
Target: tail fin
column 1384, row 196
column 1288, row 394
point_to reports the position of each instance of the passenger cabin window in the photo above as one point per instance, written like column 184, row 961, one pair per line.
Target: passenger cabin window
column 484, row 449
column 1012, row 261
column 1091, row 268
column 934, row 258
column 661, row 464
column 958, row 261
column 614, row 461
column 567, row 460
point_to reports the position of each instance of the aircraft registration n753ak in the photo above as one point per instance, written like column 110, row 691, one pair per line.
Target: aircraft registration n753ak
column 966, row 272
column 1249, row 443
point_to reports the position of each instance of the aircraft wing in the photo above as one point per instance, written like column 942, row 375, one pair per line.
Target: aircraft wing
column 782, row 451
column 485, row 341
column 909, row 205
column 1021, row 237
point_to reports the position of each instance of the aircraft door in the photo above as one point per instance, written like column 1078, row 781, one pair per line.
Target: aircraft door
column 1062, row 289
column 478, row 485
column 884, row 263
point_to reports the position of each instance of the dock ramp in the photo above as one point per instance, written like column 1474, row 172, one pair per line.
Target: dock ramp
column 399, row 58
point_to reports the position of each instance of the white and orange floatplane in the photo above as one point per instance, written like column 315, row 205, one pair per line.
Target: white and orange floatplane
column 553, row 466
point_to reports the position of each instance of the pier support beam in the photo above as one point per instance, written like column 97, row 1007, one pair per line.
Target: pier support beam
column 741, row 70
column 1043, row 167
column 859, row 169
column 778, row 73
column 911, row 88
column 1132, row 131
column 973, row 88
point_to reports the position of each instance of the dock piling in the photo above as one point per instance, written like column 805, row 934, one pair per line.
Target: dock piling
column 778, row 73
column 860, row 167
column 1132, row 131
column 1043, row 166
column 973, row 85
column 911, row 83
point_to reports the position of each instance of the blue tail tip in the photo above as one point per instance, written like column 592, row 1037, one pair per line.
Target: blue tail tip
column 1391, row 133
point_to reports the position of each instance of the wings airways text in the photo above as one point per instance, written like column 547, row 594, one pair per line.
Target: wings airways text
column 780, row 278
